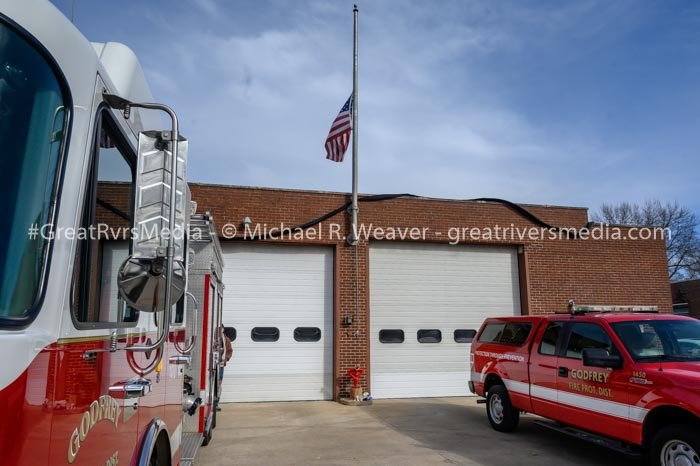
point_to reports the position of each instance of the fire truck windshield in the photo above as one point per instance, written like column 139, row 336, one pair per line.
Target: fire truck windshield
column 661, row 340
column 32, row 123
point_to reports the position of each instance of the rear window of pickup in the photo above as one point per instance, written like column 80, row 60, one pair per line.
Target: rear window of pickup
column 506, row 333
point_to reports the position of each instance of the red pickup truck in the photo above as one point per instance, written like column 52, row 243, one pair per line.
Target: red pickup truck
column 627, row 381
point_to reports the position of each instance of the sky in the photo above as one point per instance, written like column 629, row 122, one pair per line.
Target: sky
column 550, row 102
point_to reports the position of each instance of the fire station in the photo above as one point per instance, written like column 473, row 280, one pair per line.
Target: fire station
column 405, row 303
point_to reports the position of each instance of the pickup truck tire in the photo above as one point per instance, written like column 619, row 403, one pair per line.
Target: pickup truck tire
column 675, row 445
column 502, row 416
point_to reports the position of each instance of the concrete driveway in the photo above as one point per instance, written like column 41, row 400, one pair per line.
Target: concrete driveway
column 391, row 432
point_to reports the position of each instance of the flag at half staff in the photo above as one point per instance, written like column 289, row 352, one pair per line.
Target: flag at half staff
column 338, row 138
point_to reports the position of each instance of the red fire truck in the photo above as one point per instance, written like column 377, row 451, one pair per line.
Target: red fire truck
column 623, row 377
column 110, row 288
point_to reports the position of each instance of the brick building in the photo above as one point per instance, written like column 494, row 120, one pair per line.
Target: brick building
column 686, row 297
column 308, row 308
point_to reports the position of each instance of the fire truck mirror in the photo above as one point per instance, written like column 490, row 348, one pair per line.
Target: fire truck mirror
column 597, row 357
column 142, row 283
column 142, row 277
column 152, row 201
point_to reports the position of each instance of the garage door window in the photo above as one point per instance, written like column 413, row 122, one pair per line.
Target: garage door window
column 464, row 335
column 391, row 336
column 265, row 334
column 429, row 336
column 307, row 334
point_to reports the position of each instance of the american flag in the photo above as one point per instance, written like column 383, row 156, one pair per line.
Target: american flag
column 339, row 136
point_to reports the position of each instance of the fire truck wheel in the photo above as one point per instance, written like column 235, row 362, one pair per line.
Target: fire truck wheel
column 676, row 445
column 161, row 453
column 502, row 416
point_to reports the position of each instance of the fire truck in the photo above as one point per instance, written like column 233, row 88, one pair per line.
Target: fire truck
column 110, row 282
column 623, row 377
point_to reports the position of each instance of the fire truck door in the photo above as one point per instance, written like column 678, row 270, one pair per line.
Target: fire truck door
column 97, row 397
column 543, row 370
column 591, row 398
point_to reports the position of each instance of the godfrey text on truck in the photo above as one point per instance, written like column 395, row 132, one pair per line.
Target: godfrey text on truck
column 624, row 377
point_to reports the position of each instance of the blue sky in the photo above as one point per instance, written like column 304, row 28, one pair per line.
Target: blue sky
column 573, row 103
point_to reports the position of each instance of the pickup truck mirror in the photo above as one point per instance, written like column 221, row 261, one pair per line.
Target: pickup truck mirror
column 596, row 357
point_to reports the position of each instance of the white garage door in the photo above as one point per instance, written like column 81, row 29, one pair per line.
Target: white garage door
column 427, row 301
column 280, row 301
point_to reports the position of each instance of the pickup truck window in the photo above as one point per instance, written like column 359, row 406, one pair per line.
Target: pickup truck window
column 492, row 333
column 661, row 340
column 548, row 345
column 586, row 335
column 511, row 333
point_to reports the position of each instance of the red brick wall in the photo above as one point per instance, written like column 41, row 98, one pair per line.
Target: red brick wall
column 687, row 291
column 591, row 272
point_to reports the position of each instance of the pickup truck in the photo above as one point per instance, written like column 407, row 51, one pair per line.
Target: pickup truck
column 628, row 381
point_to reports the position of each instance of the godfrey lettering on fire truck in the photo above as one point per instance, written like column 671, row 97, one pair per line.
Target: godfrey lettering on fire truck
column 624, row 377
column 104, row 409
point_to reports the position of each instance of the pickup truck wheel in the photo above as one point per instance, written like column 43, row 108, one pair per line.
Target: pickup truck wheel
column 676, row 445
column 502, row 416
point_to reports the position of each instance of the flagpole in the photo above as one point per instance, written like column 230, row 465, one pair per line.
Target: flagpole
column 353, row 240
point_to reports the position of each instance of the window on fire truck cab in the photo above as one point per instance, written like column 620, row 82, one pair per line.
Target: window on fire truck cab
column 661, row 340
column 511, row 333
column 108, row 208
column 492, row 333
column 33, row 129
column 548, row 345
column 585, row 335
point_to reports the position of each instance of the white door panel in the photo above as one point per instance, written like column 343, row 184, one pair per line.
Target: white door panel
column 416, row 286
column 284, row 287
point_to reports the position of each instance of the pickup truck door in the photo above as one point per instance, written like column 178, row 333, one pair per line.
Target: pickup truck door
column 543, row 370
column 591, row 398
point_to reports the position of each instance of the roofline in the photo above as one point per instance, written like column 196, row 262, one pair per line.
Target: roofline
column 339, row 193
column 686, row 280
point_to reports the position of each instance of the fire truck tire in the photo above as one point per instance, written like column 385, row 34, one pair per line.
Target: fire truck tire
column 161, row 453
column 675, row 445
column 502, row 416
